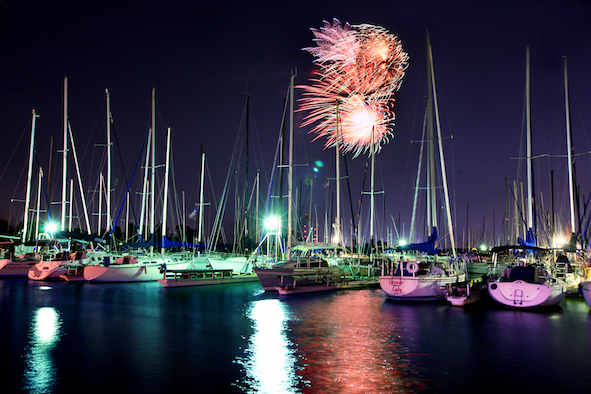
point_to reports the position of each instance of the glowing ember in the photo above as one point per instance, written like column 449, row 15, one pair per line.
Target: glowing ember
column 360, row 68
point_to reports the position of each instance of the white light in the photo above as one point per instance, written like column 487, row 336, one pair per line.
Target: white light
column 272, row 223
column 51, row 227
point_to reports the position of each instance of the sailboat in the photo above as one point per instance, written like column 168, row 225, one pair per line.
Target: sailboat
column 529, row 282
column 136, row 267
column 425, row 277
column 18, row 264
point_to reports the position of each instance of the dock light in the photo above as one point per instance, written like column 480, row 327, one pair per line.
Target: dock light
column 559, row 241
column 483, row 248
column 51, row 228
column 272, row 223
column 335, row 239
column 401, row 242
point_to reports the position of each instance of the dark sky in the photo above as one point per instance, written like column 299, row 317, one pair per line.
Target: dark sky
column 202, row 59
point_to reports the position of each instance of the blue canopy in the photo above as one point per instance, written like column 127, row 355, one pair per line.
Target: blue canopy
column 429, row 246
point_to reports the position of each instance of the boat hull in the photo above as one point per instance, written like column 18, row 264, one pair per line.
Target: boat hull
column 416, row 288
column 521, row 294
column 15, row 268
column 586, row 288
column 238, row 265
column 270, row 278
column 47, row 270
column 135, row 272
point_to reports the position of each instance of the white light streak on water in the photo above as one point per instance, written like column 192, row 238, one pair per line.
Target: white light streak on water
column 269, row 363
column 40, row 371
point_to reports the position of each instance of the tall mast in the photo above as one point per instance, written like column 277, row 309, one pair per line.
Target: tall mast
column 337, row 224
column 569, row 151
column 29, row 176
column 371, row 195
column 65, row 155
column 108, row 160
column 165, row 204
column 528, row 120
column 442, row 161
column 153, row 180
column 246, row 178
column 77, row 166
column 201, row 198
column 290, row 168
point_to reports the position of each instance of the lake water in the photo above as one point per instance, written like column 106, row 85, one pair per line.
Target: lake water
column 140, row 337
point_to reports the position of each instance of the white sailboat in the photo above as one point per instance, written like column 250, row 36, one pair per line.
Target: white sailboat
column 529, row 282
column 18, row 264
column 424, row 277
column 136, row 267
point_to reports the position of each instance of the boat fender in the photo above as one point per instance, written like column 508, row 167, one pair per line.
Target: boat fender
column 412, row 267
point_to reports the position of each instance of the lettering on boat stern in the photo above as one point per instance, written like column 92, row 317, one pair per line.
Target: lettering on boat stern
column 396, row 284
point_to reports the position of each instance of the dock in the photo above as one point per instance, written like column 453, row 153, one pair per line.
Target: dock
column 185, row 278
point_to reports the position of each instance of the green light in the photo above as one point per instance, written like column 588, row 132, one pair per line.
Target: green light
column 319, row 163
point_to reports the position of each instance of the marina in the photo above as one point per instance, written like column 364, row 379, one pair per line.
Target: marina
column 260, row 198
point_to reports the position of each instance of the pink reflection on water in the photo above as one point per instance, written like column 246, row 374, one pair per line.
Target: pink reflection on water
column 349, row 344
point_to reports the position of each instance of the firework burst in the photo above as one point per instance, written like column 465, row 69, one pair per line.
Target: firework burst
column 350, row 100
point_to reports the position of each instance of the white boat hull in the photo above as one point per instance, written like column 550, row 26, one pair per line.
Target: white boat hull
column 238, row 265
column 417, row 288
column 134, row 272
column 521, row 294
column 586, row 287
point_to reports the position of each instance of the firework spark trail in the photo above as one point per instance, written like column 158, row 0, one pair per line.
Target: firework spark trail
column 360, row 68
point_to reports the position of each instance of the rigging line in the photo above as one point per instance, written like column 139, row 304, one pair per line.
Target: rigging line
column 128, row 193
column 15, row 147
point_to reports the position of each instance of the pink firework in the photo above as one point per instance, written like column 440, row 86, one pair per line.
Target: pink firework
column 351, row 99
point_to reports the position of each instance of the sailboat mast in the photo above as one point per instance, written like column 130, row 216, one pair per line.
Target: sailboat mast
column 77, row 166
column 528, row 120
column 65, row 155
column 290, row 168
column 569, row 151
column 153, row 168
column 201, row 197
column 371, row 196
column 29, row 176
column 442, row 161
column 246, row 177
column 108, row 160
column 165, row 203
column 337, row 225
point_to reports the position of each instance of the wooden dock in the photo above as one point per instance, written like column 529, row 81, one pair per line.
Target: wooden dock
column 185, row 278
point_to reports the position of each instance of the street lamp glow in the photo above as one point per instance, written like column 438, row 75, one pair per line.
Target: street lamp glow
column 51, row 227
column 482, row 247
column 559, row 240
column 272, row 223
column 401, row 242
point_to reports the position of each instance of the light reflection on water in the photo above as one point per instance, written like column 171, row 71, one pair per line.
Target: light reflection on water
column 40, row 370
column 327, row 343
column 270, row 362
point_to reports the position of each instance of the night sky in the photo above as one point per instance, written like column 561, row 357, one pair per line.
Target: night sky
column 203, row 59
